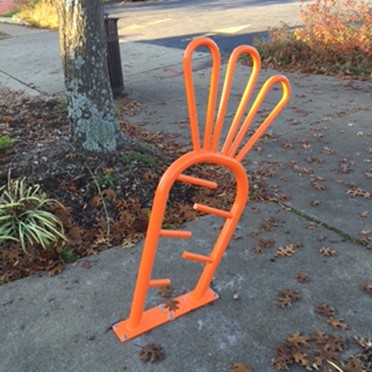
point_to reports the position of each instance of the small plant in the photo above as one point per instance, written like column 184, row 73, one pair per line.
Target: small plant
column 143, row 156
column 61, row 105
column 107, row 179
column 68, row 255
column 6, row 142
column 23, row 218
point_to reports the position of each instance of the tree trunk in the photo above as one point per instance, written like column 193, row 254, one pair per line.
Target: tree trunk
column 84, row 59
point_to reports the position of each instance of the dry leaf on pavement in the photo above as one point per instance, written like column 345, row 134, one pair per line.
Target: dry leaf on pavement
column 297, row 340
column 324, row 310
column 302, row 277
column 165, row 292
column 286, row 251
column 241, row 367
column 328, row 252
column 366, row 287
column 286, row 297
column 152, row 353
column 337, row 323
column 172, row 305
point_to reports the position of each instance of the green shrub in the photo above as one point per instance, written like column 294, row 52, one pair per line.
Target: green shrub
column 336, row 36
column 23, row 217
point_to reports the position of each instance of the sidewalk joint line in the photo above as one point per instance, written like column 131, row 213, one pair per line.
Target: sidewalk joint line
column 22, row 82
column 329, row 227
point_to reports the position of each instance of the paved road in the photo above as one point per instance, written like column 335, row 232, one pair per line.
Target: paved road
column 173, row 23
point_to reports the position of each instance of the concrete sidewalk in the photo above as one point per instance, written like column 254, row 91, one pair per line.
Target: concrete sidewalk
column 318, row 154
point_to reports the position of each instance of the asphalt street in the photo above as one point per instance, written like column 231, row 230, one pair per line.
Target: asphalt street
column 173, row 23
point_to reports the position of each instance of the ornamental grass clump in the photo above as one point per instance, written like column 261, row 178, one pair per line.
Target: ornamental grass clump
column 24, row 218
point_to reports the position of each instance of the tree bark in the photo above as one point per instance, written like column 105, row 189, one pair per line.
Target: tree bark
column 84, row 59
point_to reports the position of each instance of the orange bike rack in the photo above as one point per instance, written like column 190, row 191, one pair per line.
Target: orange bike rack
column 229, row 156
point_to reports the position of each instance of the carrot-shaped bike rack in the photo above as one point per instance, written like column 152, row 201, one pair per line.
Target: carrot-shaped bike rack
column 228, row 155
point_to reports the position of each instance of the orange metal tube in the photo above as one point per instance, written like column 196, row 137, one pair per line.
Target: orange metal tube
column 190, row 91
column 207, row 153
column 256, row 65
column 242, row 189
column 273, row 114
column 255, row 107
column 197, row 181
column 196, row 257
column 159, row 283
column 214, row 211
column 157, row 214
column 175, row 234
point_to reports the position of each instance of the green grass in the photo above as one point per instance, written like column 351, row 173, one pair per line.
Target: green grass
column 6, row 142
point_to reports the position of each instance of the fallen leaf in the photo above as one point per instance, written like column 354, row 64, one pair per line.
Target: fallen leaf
column 363, row 342
column 307, row 170
column 327, row 150
column 6, row 119
column 269, row 224
column 109, row 194
column 335, row 343
column 302, row 277
column 368, row 174
column 289, row 293
column 241, row 367
column 284, row 302
column 336, row 323
column 95, row 201
column 286, row 297
column 353, row 364
column 165, row 292
column 301, row 358
column 315, row 203
column 312, row 160
column 323, row 354
column 86, row 265
column 328, row 252
column 366, row 287
column 257, row 249
column 127, row 244
column 255, row 233
column 311, row 225
column 152, row 353
column 288, row 145
column 172, row 305
column 286, row 251
column 266, row 172
column 324, row 310
column 318, row 185
column 319, row 337
column 283, row 358
column 296, row 340
column 355, row 191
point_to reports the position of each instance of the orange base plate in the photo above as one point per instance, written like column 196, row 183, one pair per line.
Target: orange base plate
column 162, row 314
